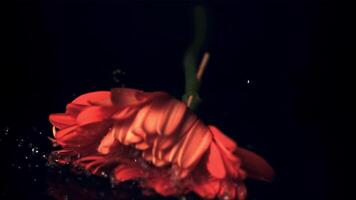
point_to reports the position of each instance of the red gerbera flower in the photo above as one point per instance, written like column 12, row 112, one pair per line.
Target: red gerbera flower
column 155, row 139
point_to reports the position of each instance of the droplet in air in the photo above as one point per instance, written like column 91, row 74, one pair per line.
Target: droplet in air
column 117, row 75
column 6, row 131
column 104, row 174
column 35, row 150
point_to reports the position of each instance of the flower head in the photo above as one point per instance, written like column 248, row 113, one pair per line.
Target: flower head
column 155, row 139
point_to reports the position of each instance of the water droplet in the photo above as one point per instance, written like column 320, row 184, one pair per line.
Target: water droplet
column 117, row 74
column 6, row 130
column 104, row 174
column 20, row 142
column 35, row 150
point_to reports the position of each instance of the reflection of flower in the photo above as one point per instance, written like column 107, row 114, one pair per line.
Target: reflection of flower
column 155, row 139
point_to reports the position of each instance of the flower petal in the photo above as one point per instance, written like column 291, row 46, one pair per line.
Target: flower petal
column 231, row 162
column 207, row 188
column 162, row 185
column 132, row 138
column 170, row 117
column 198, row 144
column 151, row 121
column 62, row 133
column 221, row 137
column 125, row 96
column 107, row 142
column 74, row 109
column 93, row 97
column 94, row 114
column 255, row 166
column 124, row 113
column 215, row 163
column 61, row 120
column 66, row 135
column 124, row 173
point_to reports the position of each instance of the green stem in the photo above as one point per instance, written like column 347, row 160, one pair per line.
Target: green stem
column 190, row 61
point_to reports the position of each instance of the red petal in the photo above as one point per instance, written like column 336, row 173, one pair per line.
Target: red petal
column 125, row 113
column 207, row 189
column 95, row 114
column 170, row 116
column 66, row 135
column 172, row 153
column 62, row 120
column 74, row 109
column 232, row 163
column 221, row 137
column 142, row 146
column 96, row 97
column 107, row 142
column 154, row 114
column 132, row 138
column 215, row 163
column 165, row 142
column 121, row 129
column 124, row 173
column 196, row 145
column 255, row 166
column 162, row 185
column 126, row 96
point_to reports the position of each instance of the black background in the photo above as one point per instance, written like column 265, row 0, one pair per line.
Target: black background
column 294, row 111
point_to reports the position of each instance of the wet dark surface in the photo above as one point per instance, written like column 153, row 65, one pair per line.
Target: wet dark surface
column 277, row 83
